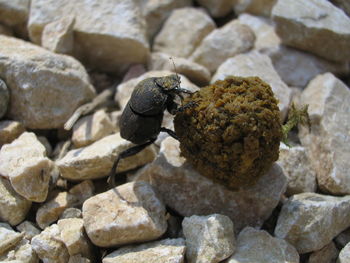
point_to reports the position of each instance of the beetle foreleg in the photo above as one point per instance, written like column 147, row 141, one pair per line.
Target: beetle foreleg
column 170, row 132
column 126, row 153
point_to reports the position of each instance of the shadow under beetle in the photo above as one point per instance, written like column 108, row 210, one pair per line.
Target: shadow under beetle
column 141, row 120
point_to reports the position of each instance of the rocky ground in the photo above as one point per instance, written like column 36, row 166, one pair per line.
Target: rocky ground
column 55, row 203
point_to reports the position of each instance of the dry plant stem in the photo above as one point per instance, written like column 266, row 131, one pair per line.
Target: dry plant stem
column 89, row 107
column 64, row 149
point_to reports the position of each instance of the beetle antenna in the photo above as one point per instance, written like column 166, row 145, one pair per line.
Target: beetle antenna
column 172, row 60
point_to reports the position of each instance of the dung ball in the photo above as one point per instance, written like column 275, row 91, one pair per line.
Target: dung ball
column 232, row 132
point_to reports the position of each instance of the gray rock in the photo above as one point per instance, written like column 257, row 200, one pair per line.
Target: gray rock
column 344, row 255
column 209, row 239
column 217, row 8
column 101, row 28
column 15, row 13
column 4, row 98
column 126, row 214
column 256, row 7
column 45, row 87
column 29, row 229
column 328, row 139
column 309, row 221
column 232, row 39
column 327, row 254
column 186, row 27
column 315, row 26
column 8, row 237
column 342, row 4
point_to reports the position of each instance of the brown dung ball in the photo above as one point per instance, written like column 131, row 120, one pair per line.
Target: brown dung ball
column 233, row 132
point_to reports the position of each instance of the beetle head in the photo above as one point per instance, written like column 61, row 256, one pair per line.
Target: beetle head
column 169, row 83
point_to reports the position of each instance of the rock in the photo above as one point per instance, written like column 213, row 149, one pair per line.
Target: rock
column 96, row 160
column 24, row 163
column 82, row 191
column 208, row 238
column 21, row 253
column 74, row 237
column 309, row 221
column 256, row 64
column 71, row 212
column 49, row 247
column 327, row 142
column 327, row 254
column 8, row 237
column 128, row 213
column 256, row 7
column 344, row 255
column 91, row 128
column 342, row 4
column 186, row 27
column 116, row 27
column 45, row 87
column 315, row 26
column 6, row 30
column 197, row 73
column 188, row 193
column 157, row 11
column 125, row 89
column 4, row 98
column 296, row 68
column 10, row 130
column 232, row 39
column 297, row 167
column 29, row 229
column 13, row 207
column 58, row 35
column 265, row 35
column 343, row 238
column 166, row 250
column 217, row 8
column 15, row 14
column 258, row 246
column 44, row 141
column 78, row 259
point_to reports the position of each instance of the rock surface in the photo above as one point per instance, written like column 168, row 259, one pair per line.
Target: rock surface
column 186, row 27
column 309, row 221
column 115, row 28
column 256, row 64
column 316, row 26
column 209, row 239
column 256, row 7
column 21, row 253
column 259, row 246
column 217, row 8
column 4, row 98
column 29, row 229
column 25, row 163
column 96, row 160
column 166, row 250
column 15, row 14
column 189, row 193
column 10, row 130
column 126, row 214
column 344, row 255
column 232, row 39
column 13, row 207
column 8, row 237
column 327, row 141
column 45, row 87
column 327, row 254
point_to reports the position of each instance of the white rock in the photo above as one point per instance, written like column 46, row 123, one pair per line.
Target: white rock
column 108, row 35
column 24, row 163
column 232, row 39
column 21, row 253
column 256, row 64
column 91, row 128
column 157, row 11
column 96, row 160
column 71, row 212
column 4, row 98
column 58, row 35
column 189, row 193
column 328, row 140
column 73, row 236
column 8, row 237
column 49, row 247
column 125, row 89
column 327, row 254
column 128, row 213
column 297, row 167
column 78, row 259
column 13, row 207
column 217, row 8
column 259, row 246
column 315, row 26
column 167, row 250
column 10, row 130
column 344, row 255
column 45, row 87
column 309, row 221
column 209, row 239
column 29, row 229
column 186, row 27
column 197, row 73
column 256, row 7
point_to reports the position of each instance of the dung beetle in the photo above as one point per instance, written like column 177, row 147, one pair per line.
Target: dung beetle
column 141, row 120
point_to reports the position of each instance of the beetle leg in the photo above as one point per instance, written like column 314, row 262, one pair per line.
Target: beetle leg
column 170, row 132
column 126, row 153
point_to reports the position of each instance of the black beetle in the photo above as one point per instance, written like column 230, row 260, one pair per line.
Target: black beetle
column 141, row 120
